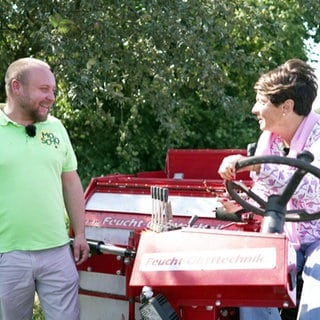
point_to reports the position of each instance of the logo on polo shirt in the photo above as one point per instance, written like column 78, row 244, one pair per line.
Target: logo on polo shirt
column 49, row 139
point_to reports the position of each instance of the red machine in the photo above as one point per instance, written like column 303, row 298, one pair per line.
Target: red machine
column 159, row 251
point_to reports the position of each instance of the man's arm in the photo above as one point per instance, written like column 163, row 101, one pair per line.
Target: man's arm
column 74, row 202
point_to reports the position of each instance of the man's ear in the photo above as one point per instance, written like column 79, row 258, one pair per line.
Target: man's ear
column 15, row 86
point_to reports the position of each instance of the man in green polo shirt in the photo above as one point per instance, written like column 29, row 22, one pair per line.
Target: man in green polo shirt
column 38, row 184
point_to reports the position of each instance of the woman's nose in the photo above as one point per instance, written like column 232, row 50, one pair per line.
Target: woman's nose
column 254, row 108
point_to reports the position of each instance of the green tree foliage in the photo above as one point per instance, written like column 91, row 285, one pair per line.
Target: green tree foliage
column 137, row 77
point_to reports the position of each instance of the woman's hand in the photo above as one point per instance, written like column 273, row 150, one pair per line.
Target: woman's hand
column 227, row 169
column 230, row 206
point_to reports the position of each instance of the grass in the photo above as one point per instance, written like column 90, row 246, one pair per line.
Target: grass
column 37, row 311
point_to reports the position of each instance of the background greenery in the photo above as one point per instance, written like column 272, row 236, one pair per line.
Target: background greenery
column 137, row 77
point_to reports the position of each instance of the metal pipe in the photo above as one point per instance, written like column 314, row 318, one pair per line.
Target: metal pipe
column 100, row 247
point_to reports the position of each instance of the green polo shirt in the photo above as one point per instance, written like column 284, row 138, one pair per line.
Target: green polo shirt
column 32, row 212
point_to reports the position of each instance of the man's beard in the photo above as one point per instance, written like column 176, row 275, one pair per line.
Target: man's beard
column 33, row 114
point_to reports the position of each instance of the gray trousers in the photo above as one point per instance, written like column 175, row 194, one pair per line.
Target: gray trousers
column 51, row 273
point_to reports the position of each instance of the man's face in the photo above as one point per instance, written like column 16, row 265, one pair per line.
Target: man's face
column 37, row 94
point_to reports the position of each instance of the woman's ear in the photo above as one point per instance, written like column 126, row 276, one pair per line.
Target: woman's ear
column 287, row 106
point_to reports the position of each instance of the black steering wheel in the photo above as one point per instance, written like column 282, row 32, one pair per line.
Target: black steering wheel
column 276, row 202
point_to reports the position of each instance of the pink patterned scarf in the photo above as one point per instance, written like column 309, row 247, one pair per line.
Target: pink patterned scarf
column 297, row 145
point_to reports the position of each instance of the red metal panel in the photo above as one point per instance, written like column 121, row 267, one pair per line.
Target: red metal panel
column 199, row 163
column 203, row 267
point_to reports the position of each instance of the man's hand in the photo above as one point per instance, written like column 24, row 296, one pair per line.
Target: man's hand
column 80, row 249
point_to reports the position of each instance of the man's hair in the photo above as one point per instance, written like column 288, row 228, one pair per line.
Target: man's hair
column 19, row 70
column 296, row 80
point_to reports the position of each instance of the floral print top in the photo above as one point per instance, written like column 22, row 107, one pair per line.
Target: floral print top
column 273, row 178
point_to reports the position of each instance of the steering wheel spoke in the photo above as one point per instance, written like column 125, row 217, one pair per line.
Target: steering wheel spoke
column 242, row 187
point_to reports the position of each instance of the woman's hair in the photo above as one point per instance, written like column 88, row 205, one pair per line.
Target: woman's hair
column 295, row 80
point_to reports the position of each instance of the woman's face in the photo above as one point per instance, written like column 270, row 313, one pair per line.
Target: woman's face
column 270, row 117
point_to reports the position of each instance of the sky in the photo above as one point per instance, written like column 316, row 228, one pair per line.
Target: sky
column 315, row 55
